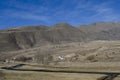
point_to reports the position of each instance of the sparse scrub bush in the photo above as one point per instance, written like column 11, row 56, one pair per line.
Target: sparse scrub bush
column 23, row 58
column 91, row 58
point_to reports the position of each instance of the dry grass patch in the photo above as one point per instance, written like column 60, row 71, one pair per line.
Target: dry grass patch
column 95, row 67
column 50, row 76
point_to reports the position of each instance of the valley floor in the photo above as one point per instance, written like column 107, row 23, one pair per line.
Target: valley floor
column 35, row 72
column 95, row 60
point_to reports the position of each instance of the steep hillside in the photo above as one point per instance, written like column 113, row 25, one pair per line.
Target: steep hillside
column 102, row 31
column 36, row 36
column 98, row 42
column 19, row 38
column 64, row 33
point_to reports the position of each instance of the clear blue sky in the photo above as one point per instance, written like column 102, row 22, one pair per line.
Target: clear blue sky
column 49, row 12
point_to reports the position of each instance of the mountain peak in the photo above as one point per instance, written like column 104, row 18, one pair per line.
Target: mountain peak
column 105, row 23
column 63, row 25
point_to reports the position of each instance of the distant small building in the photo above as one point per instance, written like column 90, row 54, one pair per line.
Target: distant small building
column 60, row 57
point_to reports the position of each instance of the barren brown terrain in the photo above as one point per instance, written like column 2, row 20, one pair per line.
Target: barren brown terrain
column 90, row 52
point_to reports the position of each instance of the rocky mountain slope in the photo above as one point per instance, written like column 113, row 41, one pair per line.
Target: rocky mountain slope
column 27, row 37
column 35, row 36
column 62, row 39
column 102, row 31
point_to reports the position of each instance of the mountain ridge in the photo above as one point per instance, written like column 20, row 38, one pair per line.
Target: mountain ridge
column 36, row 36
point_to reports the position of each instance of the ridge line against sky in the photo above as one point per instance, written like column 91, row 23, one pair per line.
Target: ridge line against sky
column 49, row 12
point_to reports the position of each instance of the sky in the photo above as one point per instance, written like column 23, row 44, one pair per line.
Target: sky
column 15, row 13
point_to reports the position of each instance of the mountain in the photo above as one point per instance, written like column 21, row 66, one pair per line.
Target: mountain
column 93, row 42
column 19, row 38
column 35, row 36
column 64, row 32
column 102, row 31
